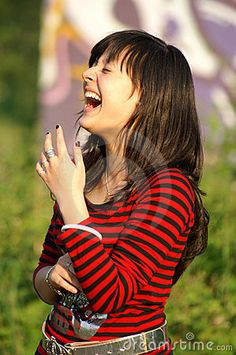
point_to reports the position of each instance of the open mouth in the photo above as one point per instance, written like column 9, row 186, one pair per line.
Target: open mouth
column 92, row 100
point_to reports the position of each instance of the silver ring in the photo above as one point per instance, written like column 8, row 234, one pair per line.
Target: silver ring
column 41, row 171
column 44, row 164
column 50, row 153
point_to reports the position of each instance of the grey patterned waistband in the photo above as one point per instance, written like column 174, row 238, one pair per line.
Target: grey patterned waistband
column 136, row 344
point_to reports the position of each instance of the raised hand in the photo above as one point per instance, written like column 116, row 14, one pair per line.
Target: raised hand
column 64, row 178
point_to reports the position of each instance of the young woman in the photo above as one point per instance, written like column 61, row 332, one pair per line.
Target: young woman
column 128, row 217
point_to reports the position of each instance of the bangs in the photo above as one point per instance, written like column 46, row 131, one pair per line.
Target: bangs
column 134, row 48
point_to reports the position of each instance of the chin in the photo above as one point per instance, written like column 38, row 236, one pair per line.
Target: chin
column 88, row 124
column 93, row 125
column 85, row 122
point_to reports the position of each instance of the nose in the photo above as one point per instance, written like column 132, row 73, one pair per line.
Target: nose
column 89, row 74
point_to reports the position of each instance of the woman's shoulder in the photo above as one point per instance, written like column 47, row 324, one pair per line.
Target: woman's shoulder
column 169, row 178
column 168, row 173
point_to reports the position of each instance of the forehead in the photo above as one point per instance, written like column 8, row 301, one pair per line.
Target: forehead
column 114, row 50
column 110, row 57
column 129, row 57
column 116, row 64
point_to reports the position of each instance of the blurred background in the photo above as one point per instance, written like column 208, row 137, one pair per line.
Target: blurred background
column 44, row 48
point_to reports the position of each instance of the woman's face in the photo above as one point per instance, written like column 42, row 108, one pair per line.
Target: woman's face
column 110, row 98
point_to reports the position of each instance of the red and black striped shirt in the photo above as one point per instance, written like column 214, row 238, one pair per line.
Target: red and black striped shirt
column 127, row 276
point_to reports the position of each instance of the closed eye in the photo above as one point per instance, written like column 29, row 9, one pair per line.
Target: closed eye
column 106, row 70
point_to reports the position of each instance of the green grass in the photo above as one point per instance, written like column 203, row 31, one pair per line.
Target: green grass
column 24, row 209
column 203, row 302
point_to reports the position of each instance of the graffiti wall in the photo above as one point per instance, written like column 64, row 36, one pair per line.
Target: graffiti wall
column 204, row 30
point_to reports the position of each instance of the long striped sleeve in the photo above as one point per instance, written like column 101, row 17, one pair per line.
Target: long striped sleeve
column 51, row 251
column 150, row 243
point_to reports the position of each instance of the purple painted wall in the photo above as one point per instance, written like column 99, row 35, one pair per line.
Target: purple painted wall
column 204, row 30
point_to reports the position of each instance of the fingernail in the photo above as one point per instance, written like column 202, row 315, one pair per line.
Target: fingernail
column 77, row 143
column 47, row 132
column 57, row 126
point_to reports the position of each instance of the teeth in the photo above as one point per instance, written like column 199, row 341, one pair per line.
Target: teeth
column 93, row 95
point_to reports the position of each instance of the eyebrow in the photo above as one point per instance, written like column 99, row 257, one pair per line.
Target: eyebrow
column 100, row 59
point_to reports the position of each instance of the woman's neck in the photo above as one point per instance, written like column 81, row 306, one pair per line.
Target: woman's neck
column 116, row 172
column 115, row 161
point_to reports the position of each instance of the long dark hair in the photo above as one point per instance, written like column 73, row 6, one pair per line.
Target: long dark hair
column 164, row 129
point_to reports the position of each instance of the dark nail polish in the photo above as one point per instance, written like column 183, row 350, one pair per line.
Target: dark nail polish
column 57, row 126
column 77, row 143
column 47, row 132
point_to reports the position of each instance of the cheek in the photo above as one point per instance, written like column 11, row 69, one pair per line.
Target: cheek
column 117, row 110
column 119, row 100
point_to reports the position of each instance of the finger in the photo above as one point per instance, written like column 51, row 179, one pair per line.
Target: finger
column 44, row 162
column 58, row 278
column 70, row 277
column 77, row 153
column 48, row 145
column 61, row 145
column 62, row 283
column 41, row 172
column 66, row 270
column 62, row 270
